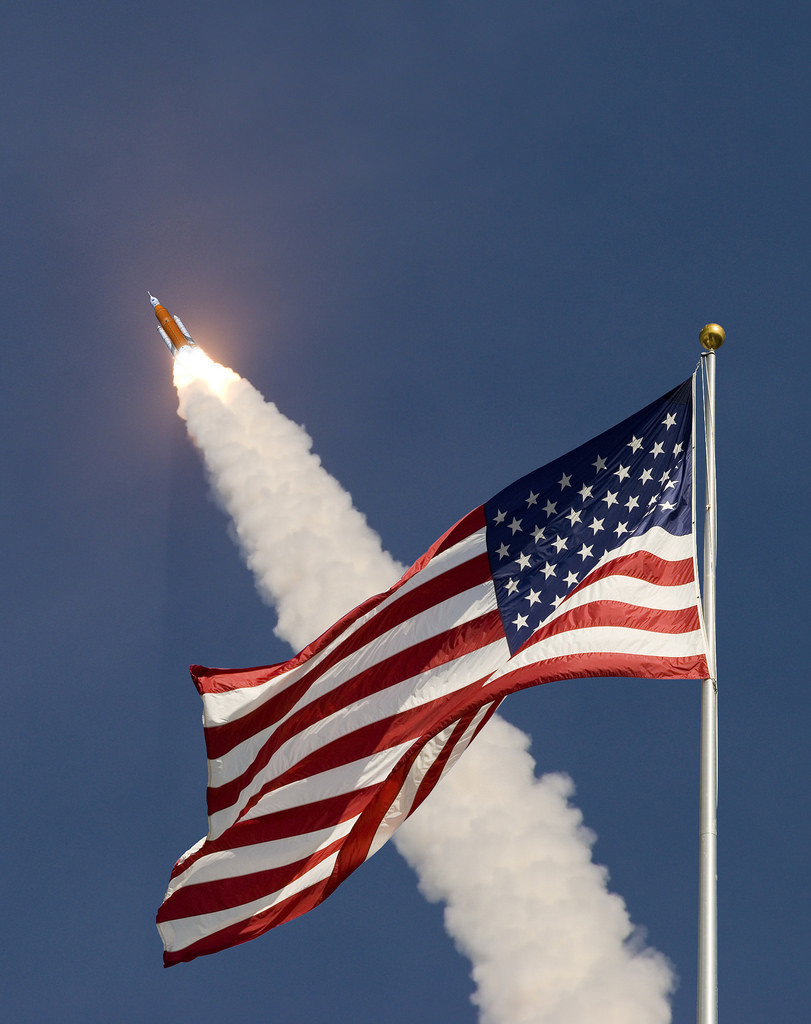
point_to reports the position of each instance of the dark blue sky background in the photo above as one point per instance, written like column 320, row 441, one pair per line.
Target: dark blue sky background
column 454, row 240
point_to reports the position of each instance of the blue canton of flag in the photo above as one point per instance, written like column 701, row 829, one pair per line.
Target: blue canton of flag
column 548, row 530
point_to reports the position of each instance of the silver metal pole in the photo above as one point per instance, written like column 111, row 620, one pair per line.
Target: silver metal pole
column 712, row 337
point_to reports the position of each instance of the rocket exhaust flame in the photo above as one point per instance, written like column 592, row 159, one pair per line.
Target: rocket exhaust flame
column 192, row 364
column 505, row 850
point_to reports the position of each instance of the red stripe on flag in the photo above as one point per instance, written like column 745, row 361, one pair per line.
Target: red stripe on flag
column 602, row 663
column 226, row 893
column 597, row 614
column 643, row 565
column 243, row 931
column 292, row 821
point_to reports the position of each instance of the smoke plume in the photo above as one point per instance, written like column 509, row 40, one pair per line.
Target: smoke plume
column 505, row 851
column 312, row 554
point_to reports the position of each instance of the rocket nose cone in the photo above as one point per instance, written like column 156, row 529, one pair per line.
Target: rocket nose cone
column 152, row 298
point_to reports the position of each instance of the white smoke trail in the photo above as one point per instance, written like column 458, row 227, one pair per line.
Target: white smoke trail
column 506, row 851
column 312, row 554
column 509, row 855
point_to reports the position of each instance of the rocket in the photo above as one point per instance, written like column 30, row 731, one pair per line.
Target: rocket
column 171, row 328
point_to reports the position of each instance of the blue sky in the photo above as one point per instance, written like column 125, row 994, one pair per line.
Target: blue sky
column 454, row 241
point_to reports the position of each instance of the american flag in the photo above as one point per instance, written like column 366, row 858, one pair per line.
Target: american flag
column 585, row 567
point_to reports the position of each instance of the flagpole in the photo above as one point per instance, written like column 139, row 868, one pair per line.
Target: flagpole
column 712, row 338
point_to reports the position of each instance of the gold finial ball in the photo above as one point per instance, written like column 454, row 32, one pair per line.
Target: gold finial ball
column 712, row 337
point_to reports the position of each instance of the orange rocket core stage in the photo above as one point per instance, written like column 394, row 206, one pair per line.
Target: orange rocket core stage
column 167, row 322
column 171, row 328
